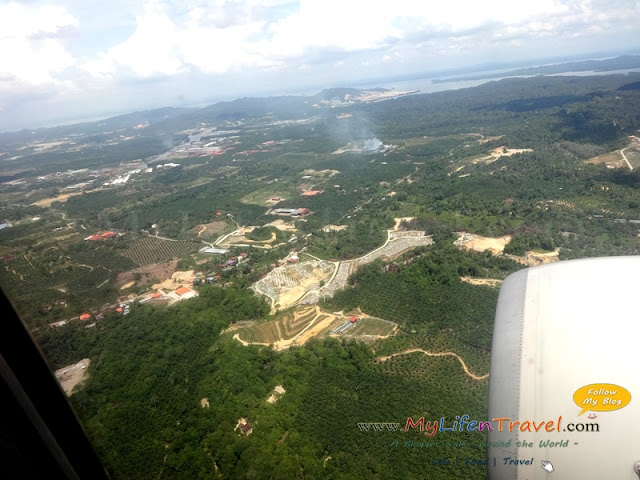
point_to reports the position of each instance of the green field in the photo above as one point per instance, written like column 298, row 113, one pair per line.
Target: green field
column 633, row 155
column 371, row 326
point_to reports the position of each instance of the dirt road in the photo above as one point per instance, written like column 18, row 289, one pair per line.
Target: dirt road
column 626, row 159
column 442, row 354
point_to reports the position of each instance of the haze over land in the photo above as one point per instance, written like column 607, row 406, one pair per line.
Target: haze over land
column 63, row 61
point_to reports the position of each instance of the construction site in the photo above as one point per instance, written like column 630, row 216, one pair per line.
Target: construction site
column 397, row 243
column 72, row 376
column 285, row 285
column 495, row 245
column 300, row 283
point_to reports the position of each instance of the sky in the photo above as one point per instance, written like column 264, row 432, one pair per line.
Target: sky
column 74, row 60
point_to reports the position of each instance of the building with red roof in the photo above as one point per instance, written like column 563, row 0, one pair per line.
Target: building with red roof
column 183, row 290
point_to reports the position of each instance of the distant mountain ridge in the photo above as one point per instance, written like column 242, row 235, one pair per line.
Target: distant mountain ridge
column 117, row 123
column 284, row 107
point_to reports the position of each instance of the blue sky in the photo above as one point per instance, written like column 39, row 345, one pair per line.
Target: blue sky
column 76, row 59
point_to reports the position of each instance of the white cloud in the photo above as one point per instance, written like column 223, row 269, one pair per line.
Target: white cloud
column 222, row 36
column 31, row 48
column 168, row 43
column 150, row 50
column 336, row 24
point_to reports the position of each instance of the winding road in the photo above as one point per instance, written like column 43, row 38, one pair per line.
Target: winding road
column 442, row 354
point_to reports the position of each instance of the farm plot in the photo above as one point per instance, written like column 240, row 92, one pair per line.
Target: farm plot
column 372, row 327
column 149, row 250
column 211, row 230
column 35, row 271
column 284, row 328
column 305, row 323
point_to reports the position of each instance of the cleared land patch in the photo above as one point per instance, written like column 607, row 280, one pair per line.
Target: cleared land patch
column 495, row 245
column 610, row 160
column 399, row 220
column 320, row 173
column 148, row 275
column 477, row 243
column 370, row 328
column 213, row 229
column 72, row 375
column 490, row 139
column 239, row 238
column 178, row 278
column 496, row 153
column 282, row 225
column 46, row 202
column 491, row 282
column 278, row 391
column 334, row 228
column 531, row 258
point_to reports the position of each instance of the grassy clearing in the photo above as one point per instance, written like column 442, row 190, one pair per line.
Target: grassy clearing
column 261, row 197
column 633, row 155
column 612, row 158
column 372, row 326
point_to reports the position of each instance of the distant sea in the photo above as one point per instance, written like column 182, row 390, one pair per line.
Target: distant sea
column 426, row 85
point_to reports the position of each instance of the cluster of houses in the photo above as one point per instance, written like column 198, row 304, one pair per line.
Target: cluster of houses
column 124, row 305
column 233, row 261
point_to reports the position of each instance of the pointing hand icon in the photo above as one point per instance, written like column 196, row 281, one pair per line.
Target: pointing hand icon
column 546, row 466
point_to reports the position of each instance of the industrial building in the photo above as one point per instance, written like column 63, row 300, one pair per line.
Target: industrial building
column 293, row 212
column 219, row 251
